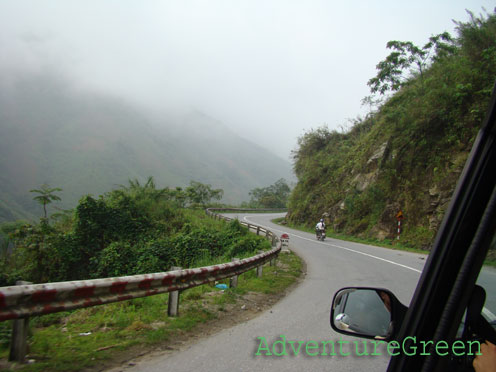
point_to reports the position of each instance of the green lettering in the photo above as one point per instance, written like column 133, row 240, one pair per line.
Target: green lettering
column 470, row 347
column 414, row 339
column 265, row 348
column 364, row 348
column 297, row 351
column 315, row 346
column 283, row 346
column 443, row 345
column 341, row 342
column 395, row 345
column 375, row 346
column 425, row 343
column 324, row 343
column 454, row 347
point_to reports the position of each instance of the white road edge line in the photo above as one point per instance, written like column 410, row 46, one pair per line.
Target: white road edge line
column 485, row 311
column 491, row 317
column 346, row 249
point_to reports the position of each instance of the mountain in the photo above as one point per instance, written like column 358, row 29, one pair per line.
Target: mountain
column 51, row 132
column 408, row 154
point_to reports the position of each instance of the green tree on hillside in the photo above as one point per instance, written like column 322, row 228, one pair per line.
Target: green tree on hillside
column 273, row 196
column 199, row 193
column 405, row 54
column 46, row 196
column 134, row 229
column 147, row 191
column 179, row 196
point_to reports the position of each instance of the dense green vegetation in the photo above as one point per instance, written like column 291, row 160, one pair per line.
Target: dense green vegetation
column 134, row 229
column 408, row 153
column 137, row 228
column 91, row 337
column 273, row 196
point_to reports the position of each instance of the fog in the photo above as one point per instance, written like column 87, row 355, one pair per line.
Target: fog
column 270, row 70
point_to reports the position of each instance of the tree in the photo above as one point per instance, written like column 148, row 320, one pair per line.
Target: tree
column 179, row 196
column 273, row 196
column 199, row 193
column 405, row 54
column 46, row 196
column 146, row 191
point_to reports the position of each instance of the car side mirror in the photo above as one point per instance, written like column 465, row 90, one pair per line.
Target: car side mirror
column 367, row 312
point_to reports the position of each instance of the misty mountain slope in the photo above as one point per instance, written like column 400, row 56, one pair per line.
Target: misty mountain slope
column 88, row 144
column 210, row 144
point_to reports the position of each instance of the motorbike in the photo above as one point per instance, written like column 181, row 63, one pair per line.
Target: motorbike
column 321, row 235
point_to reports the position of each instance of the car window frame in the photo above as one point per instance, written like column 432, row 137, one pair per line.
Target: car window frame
column 456, row 258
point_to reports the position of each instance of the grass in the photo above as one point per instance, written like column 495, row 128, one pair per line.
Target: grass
column 71, row 341
column 491, row 263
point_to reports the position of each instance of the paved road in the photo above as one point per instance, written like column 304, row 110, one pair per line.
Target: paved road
column 304, row 314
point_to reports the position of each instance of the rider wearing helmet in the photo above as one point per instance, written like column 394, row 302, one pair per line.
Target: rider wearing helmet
column 319, row 227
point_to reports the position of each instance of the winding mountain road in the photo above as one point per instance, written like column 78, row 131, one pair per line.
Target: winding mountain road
column 303, row 315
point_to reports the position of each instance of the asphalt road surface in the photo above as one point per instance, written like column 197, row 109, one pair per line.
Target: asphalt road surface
column 302, row 317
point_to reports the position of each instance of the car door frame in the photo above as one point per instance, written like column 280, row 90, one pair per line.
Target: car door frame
column 456, row 258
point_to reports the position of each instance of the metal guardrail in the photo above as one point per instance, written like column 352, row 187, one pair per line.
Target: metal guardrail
column 258, row 229
column 246, row 210
column 22, row 301
column 38, row 299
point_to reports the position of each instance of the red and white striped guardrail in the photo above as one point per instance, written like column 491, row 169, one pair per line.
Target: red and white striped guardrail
column 37, row 299
column 23, row 301
column 268, row 234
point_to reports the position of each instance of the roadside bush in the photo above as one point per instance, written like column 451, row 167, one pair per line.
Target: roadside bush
column 247, row 244
column 117, row 259
column 417, row 237
column 189, row 244
column 134, row 230
column 67, row 261
column 156, row 255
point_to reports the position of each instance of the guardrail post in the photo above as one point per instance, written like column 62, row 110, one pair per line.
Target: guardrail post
column 258, row 230
column 19, row 341
column 273, row 260
column 173, row 306
column 233, row 282
column 259, row 268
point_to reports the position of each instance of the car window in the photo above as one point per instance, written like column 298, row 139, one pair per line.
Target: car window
column 487, row 280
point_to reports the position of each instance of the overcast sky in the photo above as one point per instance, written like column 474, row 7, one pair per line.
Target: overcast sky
column 269, row 69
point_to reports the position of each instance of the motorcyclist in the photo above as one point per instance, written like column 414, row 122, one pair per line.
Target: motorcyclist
column 320, row 227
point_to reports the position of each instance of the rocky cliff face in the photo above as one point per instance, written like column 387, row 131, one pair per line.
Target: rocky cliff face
column 408, row 153
column 432, row 197
column 370, row 182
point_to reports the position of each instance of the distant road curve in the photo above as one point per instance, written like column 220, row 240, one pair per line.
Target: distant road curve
column 303, row 315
